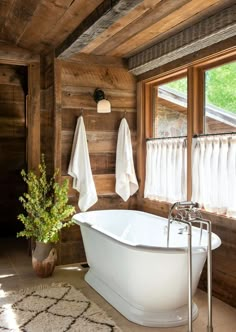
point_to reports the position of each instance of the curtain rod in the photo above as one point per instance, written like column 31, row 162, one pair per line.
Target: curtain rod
column 155, row 138
column 216, row 134
column 194, row 136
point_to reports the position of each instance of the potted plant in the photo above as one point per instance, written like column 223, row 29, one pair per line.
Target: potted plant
column 47, row 210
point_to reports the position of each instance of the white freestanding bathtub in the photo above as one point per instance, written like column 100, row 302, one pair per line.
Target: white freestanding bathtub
column 132, row 268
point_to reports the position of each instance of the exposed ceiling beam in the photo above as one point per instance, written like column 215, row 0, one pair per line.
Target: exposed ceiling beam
column 97, row 22
column 98, row 60
column 11, row 54
column 209, row 31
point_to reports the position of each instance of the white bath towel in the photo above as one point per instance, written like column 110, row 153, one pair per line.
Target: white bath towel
column 126, row 181
column 80, row 169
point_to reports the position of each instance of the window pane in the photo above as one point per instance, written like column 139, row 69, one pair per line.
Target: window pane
column 170, row 109
column 220, row 99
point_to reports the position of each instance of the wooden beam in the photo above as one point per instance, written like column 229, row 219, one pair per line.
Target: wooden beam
column 125, row 22
column 96, row 60
column 57, row 115
column 132, row 29
column 33, row 117
column 10, row 54
column 207, row 32
column 108, row 12
column 141, row 146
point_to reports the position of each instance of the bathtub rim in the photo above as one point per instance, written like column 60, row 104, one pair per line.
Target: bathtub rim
column 183, row 250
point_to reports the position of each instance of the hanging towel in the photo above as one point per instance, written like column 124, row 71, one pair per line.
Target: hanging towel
column 80, row 169
column 126, row 181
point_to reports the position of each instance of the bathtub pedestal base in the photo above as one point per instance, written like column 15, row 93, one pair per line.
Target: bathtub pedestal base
column 170, row 318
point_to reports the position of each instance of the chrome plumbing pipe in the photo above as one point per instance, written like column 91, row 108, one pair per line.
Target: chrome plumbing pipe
column 192, row 219
column 209, row 271
column 190, row 273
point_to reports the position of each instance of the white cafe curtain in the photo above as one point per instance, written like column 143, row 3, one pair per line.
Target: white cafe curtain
column 214, row 173
column 166, row 170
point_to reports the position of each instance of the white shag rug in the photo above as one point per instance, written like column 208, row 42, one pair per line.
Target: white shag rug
column 54, row 308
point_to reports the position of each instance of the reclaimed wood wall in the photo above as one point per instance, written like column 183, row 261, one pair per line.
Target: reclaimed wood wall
column 47, row 110
column 74, row 97
column 13, row 86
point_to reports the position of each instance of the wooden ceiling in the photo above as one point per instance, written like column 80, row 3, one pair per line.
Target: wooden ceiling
column 115, row 28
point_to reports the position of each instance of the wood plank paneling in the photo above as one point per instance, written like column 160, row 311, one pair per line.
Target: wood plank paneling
column 90, row 27
column 78, row 84
column 10, row 54
column 97, row 122
column 95, row 76
column 47, row 110
column 132, row 29
column 94, row 24
column 19, row 15
column 106, row 61
column 144, row 8
column 167, row 22
column 56, row 20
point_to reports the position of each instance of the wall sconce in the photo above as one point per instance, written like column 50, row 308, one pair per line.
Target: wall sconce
column 103, row 105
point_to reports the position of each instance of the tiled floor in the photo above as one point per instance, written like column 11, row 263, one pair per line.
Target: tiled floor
column 16, row 272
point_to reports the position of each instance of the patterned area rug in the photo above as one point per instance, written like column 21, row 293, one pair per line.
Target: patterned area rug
column 54, row 308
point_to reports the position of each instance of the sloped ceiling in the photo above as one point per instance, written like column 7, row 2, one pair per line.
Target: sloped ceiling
column 116, row 28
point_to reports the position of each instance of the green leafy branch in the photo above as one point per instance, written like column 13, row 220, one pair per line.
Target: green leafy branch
column 45, row 204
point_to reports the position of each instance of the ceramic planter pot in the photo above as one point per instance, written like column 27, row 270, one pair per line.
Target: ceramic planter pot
column 44, row 258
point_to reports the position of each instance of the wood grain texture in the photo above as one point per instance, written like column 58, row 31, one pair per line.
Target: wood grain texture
column 116, row 27
column 93, row 60
column 47, row 111
column 19, row 15
column 40, row 26
column 56, row 20
column 96, row 23
column 202, row 34
column 101, row 129
column 130, row 32
column 177, row 17
column 33, row 117
column 57, row 115
column 78, row 82
column 10, row 54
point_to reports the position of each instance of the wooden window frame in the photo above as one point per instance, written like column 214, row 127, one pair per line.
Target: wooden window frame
column 195, row 111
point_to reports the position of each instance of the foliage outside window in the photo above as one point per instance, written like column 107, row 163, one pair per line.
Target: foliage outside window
column 212, row 111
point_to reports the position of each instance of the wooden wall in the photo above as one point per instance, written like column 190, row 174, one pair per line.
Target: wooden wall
column 78, row 82
column 47, row 110
column 13, row 86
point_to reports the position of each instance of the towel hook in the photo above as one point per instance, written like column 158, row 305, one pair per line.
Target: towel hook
column 81, row 111
column 124, row 115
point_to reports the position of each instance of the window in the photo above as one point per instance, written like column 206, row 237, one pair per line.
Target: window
column 220, row 99
column 170, row 109
column 198, row 103
column 168, row 153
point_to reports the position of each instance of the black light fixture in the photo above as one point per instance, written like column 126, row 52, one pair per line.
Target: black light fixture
column 103, row 105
